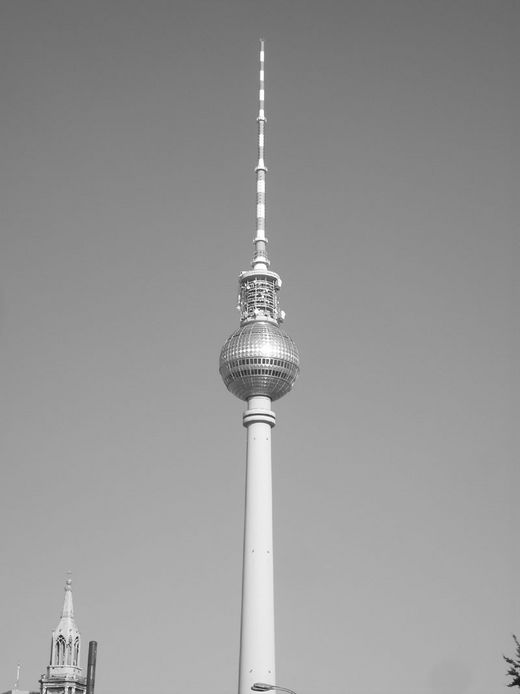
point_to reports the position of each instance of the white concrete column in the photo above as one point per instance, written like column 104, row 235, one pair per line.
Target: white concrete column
column 257, row 646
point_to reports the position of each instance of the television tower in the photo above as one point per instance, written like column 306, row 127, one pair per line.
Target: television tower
column 259, row 363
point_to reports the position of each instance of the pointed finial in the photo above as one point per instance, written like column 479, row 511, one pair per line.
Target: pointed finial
column 260, row 260
column 68, row 609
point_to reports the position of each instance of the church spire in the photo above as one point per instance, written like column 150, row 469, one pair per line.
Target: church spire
column 64, row 673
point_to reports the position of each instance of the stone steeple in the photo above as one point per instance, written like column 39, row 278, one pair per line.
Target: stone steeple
column 64, row 673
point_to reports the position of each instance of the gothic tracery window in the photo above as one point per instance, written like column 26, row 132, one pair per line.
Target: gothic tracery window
column 60, row 650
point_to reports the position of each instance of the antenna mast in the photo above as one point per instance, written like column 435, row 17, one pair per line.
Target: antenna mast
column 260, row 261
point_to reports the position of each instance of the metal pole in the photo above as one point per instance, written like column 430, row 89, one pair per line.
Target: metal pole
column 91, row 667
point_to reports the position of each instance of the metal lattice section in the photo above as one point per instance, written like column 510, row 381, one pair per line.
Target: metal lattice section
column 258, row 298
column 259, row 359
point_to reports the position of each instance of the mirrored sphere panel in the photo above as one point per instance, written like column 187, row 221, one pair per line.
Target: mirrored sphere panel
column 259, row 359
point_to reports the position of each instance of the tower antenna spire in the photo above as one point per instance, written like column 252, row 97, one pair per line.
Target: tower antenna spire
column 260, row 260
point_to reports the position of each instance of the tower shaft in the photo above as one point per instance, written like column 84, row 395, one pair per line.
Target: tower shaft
column 257, row 640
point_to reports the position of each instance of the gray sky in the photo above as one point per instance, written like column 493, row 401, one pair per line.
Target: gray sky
column 127, row 211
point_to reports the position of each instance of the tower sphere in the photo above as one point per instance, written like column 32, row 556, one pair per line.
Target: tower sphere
column 259, row 359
